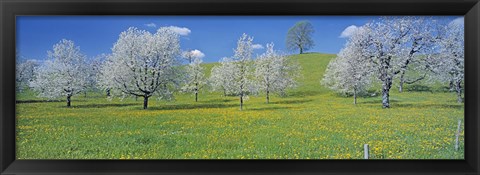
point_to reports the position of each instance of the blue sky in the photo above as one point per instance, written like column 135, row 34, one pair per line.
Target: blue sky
column 214, row 36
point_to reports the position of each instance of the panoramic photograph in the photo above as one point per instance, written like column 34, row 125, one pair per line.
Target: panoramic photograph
column 240, row 87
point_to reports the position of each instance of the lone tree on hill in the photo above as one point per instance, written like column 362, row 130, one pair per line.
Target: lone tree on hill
column 300, row 37
column 143, row 64
column 64, row 74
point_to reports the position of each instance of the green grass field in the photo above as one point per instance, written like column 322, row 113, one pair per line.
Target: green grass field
column 312, row 122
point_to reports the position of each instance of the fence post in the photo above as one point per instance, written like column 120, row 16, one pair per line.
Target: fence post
column 458, row 134
column 365, row 151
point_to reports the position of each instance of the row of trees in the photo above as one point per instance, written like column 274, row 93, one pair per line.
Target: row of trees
column 388, row 49
column 271, row 72
column 144, row 64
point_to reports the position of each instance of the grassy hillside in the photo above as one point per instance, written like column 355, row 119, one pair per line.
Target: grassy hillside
column 312, row 122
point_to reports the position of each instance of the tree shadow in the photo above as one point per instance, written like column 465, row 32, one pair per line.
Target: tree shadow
column 44, row 101
column 302, row 93
column 218, row 101
column 105, row 105
column 292, row 101
column 370, row 94
column 410, row 105
column 375, row 101
column 191, row 106
column 455, row 101
column 419, row 88
column 268, row 108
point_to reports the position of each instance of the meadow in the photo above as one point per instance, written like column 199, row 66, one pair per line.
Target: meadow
column 311, row 122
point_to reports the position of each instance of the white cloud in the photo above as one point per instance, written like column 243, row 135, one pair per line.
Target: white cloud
column 257, row 46
column 349, row 31
column 153, row 25
column 197, row 54
column 183, row 31
column 457, row 21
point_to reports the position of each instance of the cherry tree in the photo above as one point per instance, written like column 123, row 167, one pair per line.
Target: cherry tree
column 350, row 72
column 103, row 82
column 417, row 48
column 143, row 64
column 396, row 45
column 222, row 76
column 450, row 66
column 242, row 60
column 275, row 72
column 25, row 72
column 92, row 71
column 195, row 77
column 63, row 74
column 389, row 49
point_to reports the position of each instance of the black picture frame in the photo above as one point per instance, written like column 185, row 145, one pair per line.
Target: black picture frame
column 11, row 8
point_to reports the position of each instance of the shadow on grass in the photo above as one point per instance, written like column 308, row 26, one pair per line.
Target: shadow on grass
column 375, row 101
column 268, row 108
column 409, row 105
column 302, row 93
column 455, row 101
column 419, row 88
column 191, row 106
column 292, row 101
column 219, row 100
column 43, row 101
column 106, row 105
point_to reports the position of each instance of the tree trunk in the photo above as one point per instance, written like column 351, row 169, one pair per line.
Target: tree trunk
column 241, row 102
column 400, row 88
column 224, row 92
column 268, row 97
column 145, row 102
column 402, row 80
column 196, row 96
column 387, row 84
column 85, row 94
column 354, row 96
column 301, row 50
column 69, row 100
column 196, row 92
column 458, row 88
column 108, row 92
